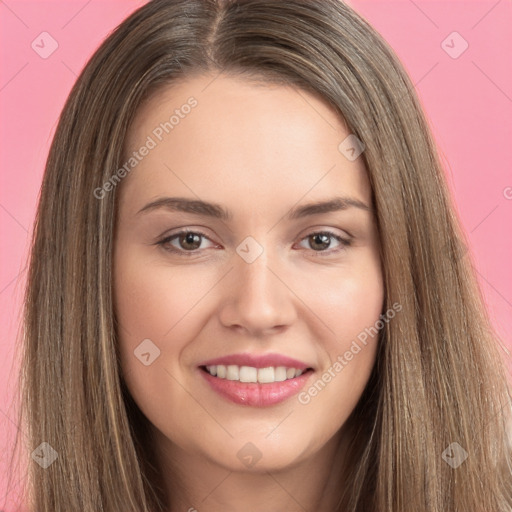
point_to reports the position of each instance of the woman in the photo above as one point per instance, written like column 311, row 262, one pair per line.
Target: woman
column 163, row 376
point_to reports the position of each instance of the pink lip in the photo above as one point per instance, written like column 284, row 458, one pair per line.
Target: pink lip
column 254, row 393
column 263, row 361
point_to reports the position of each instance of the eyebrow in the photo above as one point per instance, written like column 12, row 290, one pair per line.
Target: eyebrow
column 207, row 209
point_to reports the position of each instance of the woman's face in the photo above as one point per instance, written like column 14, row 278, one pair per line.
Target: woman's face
column 271, row 280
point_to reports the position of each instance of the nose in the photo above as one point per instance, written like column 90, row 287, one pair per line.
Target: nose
column 258, row 299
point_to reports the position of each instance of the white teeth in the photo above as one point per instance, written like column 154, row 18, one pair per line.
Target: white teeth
column 280, row 374
column 248, row 374
column 266, row 375
column 251, row 374
column 233, row 372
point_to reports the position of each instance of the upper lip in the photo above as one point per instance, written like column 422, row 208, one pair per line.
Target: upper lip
column 258, row 361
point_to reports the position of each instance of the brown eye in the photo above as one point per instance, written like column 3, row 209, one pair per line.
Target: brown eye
column 190, row 241
column 321, row 241
column 187, row 242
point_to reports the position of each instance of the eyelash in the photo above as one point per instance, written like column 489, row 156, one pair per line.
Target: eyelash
column 345, row 242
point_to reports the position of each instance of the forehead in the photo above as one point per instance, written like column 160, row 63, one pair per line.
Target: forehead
column 229, row 139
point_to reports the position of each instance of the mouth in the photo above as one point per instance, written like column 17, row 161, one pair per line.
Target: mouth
column 257, row 387
column 250, row 374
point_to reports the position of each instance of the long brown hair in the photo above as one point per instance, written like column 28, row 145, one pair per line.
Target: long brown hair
column 440, row 377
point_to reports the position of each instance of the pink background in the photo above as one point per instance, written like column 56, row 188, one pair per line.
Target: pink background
column 468, row 101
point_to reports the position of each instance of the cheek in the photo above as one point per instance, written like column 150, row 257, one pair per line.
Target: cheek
column 143, row 302
column 351, row 309
column 147, row 306
column 151, row 299
column 156, row 302
column 356, row 306
column 347, row 301
column 153, row 303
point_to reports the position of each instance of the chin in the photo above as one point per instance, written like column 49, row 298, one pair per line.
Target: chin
column 258, row 455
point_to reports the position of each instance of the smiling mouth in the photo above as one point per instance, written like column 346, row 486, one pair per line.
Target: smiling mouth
column 249, row 374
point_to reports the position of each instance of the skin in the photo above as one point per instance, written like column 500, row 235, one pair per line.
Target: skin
column 259, row 150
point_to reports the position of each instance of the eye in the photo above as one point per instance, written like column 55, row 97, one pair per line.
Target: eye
column 320, row 239
column 189, row 242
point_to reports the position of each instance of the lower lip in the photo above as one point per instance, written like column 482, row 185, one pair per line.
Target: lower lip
column 254, row 393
